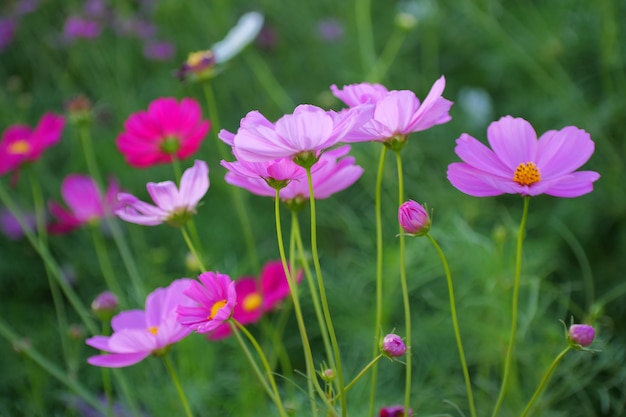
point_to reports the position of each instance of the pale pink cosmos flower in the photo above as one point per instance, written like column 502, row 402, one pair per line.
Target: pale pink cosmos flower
column 20, row 143
column 397, row 113
column 138, row 334
column 167, row 130
column 256, row 297
column 300, row 136
column 215, row 297
column 85, row 201
column 173, row 205
column 519, row 163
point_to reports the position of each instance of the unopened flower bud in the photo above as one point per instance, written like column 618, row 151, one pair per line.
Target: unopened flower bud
column 105, row 305
column 414, row 218
column 394, row 411
column 76, row 332
column 393, row 345
column 328, row 375
column 581, row 334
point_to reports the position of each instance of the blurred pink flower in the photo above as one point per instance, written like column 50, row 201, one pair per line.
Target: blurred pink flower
column 138, row 334
column 158, row 50
column 394, row 411
column 257, row 296
column 330, row 30
column 85, row 202
column 7, row 32
column 21, row 144
column 81, row 28
column 174, row 205
column 215, row 298
column 12, row 228
column 521, row 164
column 167, row 130
column 397, row 113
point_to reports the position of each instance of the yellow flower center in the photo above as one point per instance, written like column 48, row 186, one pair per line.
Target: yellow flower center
column 19, row 147
column 153, row 329
column 196, row 58
column 252, row 302
column 216, row 308
column 527, row 173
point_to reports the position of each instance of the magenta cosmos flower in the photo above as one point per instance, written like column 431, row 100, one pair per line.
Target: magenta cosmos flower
column 20, row 143
column 138, row 334
column 518, row 163
column 173, row 205
column 256, row 297
column 394, row 411
column 85, row 202
column 167, row 130
column 396, row 113
column 215, row 298
column 300, row 136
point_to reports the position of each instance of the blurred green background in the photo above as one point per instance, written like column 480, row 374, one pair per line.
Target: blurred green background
column 554, row 63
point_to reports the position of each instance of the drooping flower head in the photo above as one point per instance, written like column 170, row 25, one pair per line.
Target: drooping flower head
column 519, row 163
column 414, row 218
column 21, row 144
column 174, row 205
column 86, row 203
column 215, row 297
column 201, row 65
column 397, row 113
column 138, row 334
column 167, row 130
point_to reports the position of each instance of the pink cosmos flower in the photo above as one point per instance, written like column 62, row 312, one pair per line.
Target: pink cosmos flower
column 173, row 205
column 167, row 130
column 521, row 164
column 301, row 135
column 77, row 27
column 20, row 143
column 138, row 334
column 396, row 113
column 11, row 227
column 257, row 296
column 394, row 411
column 215, row 299
column 85, row 202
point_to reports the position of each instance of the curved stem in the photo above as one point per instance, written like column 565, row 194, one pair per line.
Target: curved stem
column 518, row 271
column 192, row 249
column 266, row 365
column 179, row 388
column 405, row 288
column 323, row 299
column 363, row 371
column 455, row 324
column 386, row 58
column 379, row 274
column 544, row 380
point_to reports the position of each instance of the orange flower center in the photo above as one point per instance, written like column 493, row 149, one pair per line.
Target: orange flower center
column 527, row 173
column 19, row 147
column 153, row 329
column 252, row 302
column 196, row 58
column 216, row 308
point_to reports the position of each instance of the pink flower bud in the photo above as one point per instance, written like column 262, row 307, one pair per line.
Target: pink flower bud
column 105, row 305
column 414, row 218
column 394, row 411
column 393, row 345
column 581, row 334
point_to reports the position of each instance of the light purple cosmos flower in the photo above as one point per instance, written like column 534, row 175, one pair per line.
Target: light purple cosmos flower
column 138, row 334
column 85, row 202
column 215, row 298
column 301, row 135
column 81, row 28
column 173, row 206
column 518, row 163
column 397, row 113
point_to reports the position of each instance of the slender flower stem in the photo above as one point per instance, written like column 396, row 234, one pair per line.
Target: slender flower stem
column 240, row 207
column 179, row 388
column 364, row 371
column 518, row 272
column 266, row 365
column 455, row 324
column 365, row 35
column 544, row 380
column 389, row 53
column 88, row 152
column 324, row 300
column 379, row 274
column 192, row 248
column 405, row 288
column 273, row 88
column 293, row 289
column 105, row 265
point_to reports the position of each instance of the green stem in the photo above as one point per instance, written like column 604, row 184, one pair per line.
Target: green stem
column 179, row 388
column 386, row 58
column 273, row 88
column 363, row 371
column 455, row 324
column 105, row 265
column 266, row 365
column 379, row 274
column 518, row 271
column 365, row 34
column 405, row 288
column 192, row 248
column 544, row 380
column 323, row 298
